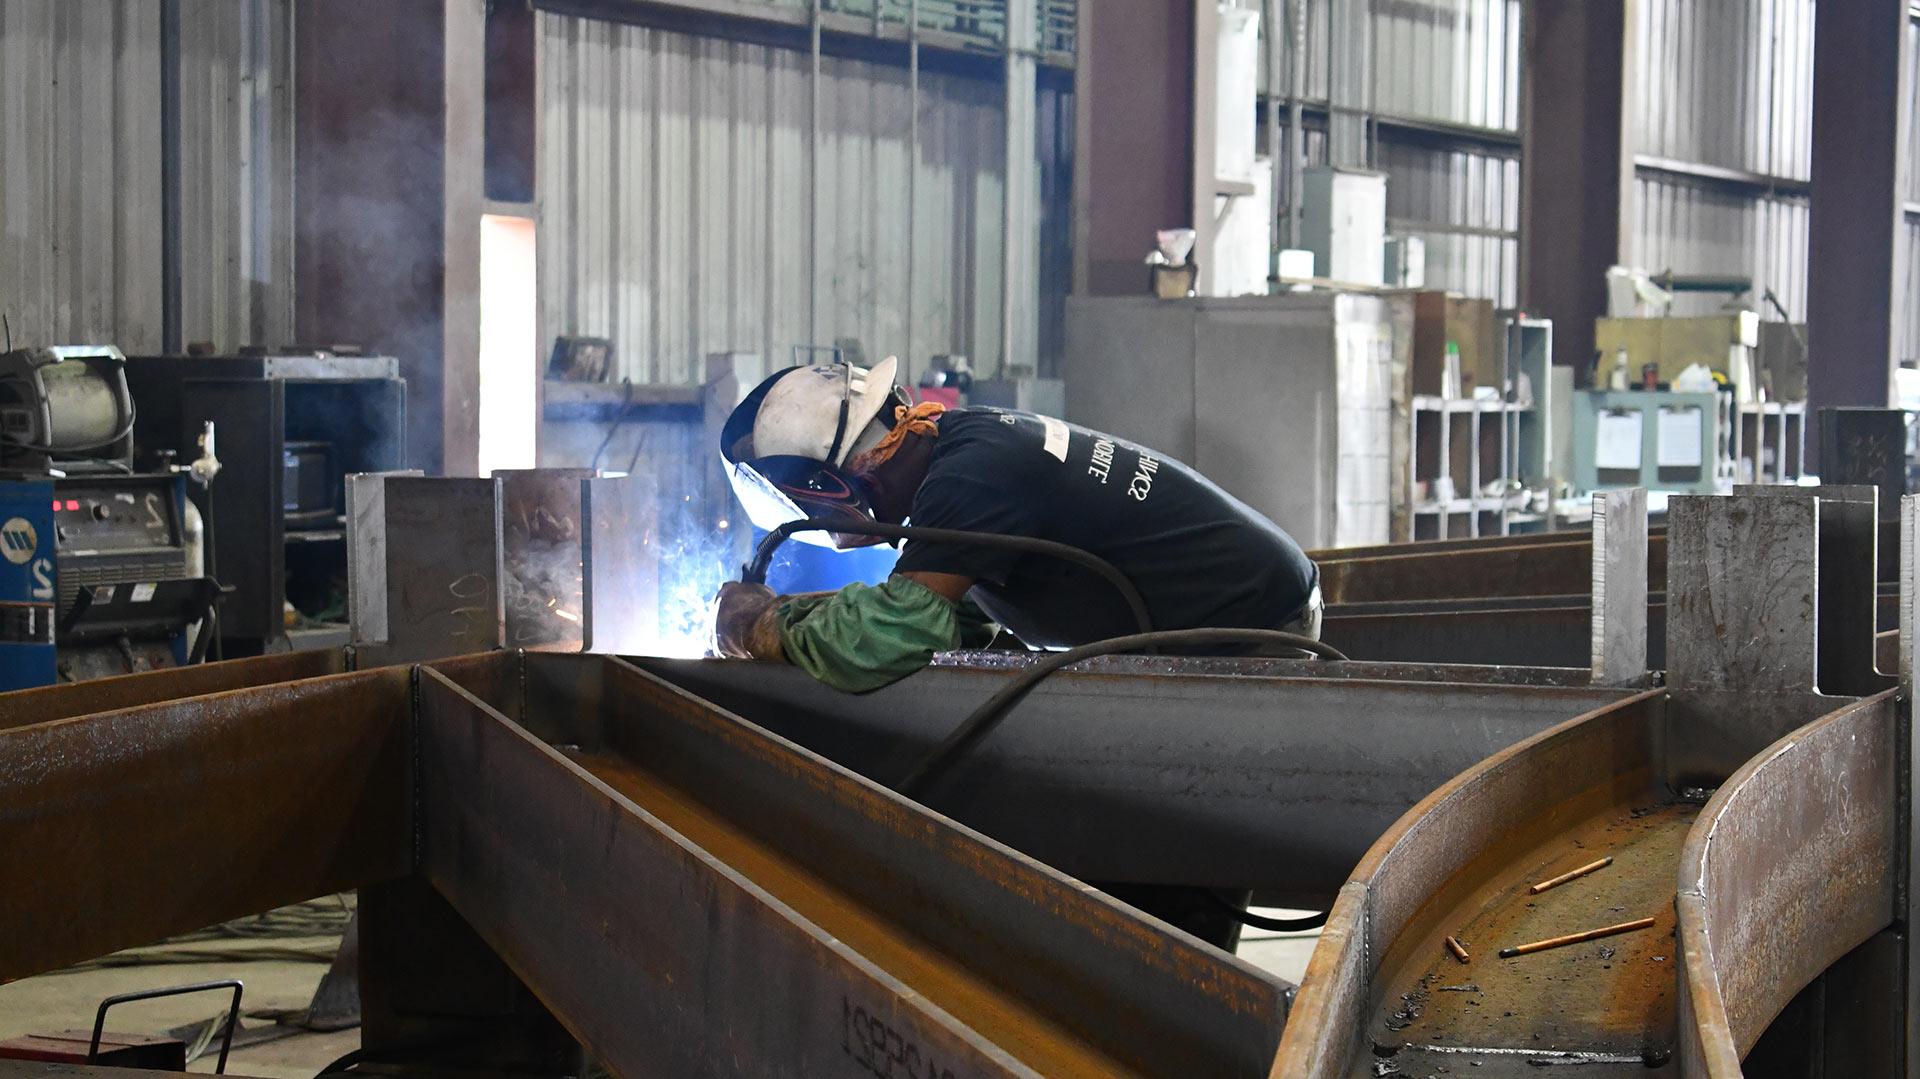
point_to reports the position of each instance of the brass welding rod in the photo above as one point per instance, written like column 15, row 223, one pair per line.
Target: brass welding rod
column 1575, row 938
column 1571, row 874
column 1458, row 951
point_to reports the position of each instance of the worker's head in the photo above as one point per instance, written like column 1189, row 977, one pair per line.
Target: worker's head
column 788, row 444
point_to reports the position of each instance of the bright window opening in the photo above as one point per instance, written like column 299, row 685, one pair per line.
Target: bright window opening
column 509, row 350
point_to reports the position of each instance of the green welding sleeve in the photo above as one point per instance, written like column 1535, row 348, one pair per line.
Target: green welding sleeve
column 864, row 637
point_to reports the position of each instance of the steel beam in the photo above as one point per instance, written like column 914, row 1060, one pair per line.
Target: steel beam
column 1791, row 866
column 1277, row 784
column 29, row 706
column 1458, row 864
column 169, row 817
column 701, row 860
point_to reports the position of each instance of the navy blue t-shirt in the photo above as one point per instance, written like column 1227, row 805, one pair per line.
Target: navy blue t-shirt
column 1199, row 556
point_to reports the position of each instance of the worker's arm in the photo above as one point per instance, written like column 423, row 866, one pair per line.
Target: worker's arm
column 857, row 639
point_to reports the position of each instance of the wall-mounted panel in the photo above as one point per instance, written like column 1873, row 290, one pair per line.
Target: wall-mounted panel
column 80, row 152
column 677, row 216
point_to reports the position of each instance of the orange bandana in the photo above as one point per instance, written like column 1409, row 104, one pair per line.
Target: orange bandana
column 918, row 420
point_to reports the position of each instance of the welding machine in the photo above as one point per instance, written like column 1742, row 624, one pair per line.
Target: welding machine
column 100, row 575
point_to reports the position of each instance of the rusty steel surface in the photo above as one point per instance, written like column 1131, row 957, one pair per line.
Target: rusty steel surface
column 1791, row 866
column 705, row 861
column 1110, row 777
column 169, row 817
column 1377, row 671
column 1562, row 565
column 1456, row 864
column 27, row 706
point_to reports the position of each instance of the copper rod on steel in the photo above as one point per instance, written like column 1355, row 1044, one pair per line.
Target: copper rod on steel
column 1458, row 951
column 1571, row 874
column 1575, row 938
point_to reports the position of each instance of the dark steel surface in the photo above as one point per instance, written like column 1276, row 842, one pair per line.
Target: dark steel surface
column 169, row 817
column 28, row 706
column 1866, row 446
column 1791, row 866
column 693, row 822
column 1551, row 632
column 1272, row 783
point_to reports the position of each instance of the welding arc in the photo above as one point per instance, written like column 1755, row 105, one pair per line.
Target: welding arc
column 756, row 571
column 986, row 717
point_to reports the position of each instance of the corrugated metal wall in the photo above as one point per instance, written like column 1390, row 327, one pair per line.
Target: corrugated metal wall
column 1453, row 67
column 1466, row 206
column 80, row 171
column 1729, row 86
column 674, row 201
column 1455, row 61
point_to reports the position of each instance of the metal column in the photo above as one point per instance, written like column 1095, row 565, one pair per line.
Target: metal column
column 1577, row 188
column 1019, row 252
column 1856, row 229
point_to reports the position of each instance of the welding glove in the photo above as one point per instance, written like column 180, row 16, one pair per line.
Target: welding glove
column 744, row 622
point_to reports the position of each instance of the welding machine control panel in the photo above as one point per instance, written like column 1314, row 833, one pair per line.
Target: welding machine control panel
column 112, row 518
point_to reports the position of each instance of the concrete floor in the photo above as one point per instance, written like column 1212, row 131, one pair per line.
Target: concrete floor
column 66, row 1000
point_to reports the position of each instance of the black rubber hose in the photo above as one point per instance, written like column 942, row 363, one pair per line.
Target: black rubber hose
column 756, row 571
column 986, row 717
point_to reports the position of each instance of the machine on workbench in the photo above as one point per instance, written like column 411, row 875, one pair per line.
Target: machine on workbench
column 104, row 573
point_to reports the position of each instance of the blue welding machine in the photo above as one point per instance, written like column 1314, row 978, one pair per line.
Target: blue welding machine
column 26, row 585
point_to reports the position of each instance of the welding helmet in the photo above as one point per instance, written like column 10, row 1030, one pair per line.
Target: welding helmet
column 785, row 444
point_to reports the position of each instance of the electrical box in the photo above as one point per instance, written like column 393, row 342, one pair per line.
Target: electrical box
column 1406, row 262
column 1343, row 221
column 27, row 583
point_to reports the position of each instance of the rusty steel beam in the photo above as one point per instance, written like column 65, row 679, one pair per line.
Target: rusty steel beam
column 1546, row 564
column 1791, row 866
column 696, row 858
column 28, row 706
column 1458, row 864
column 169, row 817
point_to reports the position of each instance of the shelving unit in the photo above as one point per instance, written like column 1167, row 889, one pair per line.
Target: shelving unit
column 1459, row 445
column 1770, row 443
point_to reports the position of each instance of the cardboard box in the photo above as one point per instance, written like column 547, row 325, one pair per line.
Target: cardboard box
column 1440, row 318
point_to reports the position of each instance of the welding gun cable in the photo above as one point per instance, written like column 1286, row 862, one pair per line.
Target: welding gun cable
column 988, row 716
column 756, row 571
column 1261, row 921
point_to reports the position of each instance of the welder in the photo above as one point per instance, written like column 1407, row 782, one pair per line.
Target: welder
column 839, row 441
